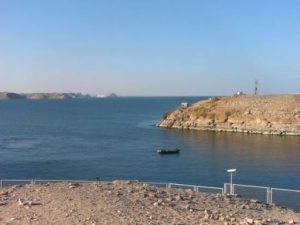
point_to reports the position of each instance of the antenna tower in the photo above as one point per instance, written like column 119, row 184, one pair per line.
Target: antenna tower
column 256, row 87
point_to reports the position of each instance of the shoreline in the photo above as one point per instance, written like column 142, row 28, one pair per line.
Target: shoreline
column 225, row 130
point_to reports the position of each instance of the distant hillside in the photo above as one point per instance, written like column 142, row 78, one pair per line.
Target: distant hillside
column 10, row 95
column 112, row 95
column 273, row 114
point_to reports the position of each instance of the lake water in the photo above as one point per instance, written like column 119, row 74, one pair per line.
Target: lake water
column 115, row 138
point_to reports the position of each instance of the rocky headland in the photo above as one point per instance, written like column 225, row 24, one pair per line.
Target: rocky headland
column 262, row 114
column 128, row 202
column 10, row 95
column 54, row 95
column 37, row 96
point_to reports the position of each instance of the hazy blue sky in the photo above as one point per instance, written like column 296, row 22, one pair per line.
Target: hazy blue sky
column 150, row 47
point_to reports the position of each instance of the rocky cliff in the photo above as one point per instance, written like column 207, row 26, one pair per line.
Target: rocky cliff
column 272, row 114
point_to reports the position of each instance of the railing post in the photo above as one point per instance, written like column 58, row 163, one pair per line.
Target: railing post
column 195, row 188
column 0, row 183
column 271, row 196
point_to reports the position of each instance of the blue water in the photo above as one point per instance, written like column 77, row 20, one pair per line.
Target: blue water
column 116, row 139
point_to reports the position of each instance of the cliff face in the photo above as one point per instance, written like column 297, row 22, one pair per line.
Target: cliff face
column 273, row 114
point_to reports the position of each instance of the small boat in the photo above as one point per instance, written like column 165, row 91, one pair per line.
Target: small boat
column 168, row 151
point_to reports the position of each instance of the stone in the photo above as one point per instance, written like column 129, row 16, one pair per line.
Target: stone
column 178, row 197
column 207, row 214
column 214, row 216
column 16, row 186
column 232, row 219
column 21, row 202
column 221, row 218
column 258, row 222
column 249, row 221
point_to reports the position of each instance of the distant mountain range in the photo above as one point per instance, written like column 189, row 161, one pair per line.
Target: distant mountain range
column 12, row 95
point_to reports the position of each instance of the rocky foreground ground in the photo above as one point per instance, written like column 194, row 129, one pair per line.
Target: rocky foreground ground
column 125, row 202
column 263, row 114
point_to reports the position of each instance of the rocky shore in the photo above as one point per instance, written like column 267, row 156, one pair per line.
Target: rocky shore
column 262, row 114
column 127, row 202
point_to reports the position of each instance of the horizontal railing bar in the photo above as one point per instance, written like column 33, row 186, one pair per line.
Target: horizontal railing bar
column 185, row 185
column 243, row 185
column 12, row 180
column 210, row 187
column 282, row 189
column 52, row 180
column 159, row 183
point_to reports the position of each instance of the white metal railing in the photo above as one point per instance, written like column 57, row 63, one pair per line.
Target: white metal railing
column 252, row 192
column 59, row 181
column 183, row 186
column 13, row 182
column 210, row 189
column 279, row 196
column 284, row 197
column 226, row 189
column 158, row 184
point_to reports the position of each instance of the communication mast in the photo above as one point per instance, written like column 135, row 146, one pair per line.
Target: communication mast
column 256, row 87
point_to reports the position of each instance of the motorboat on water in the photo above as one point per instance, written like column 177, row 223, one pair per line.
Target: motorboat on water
column 168, row 151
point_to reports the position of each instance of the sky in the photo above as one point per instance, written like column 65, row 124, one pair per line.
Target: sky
column 150, row 48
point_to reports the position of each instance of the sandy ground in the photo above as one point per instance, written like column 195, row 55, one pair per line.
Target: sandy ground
column 125, row 202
